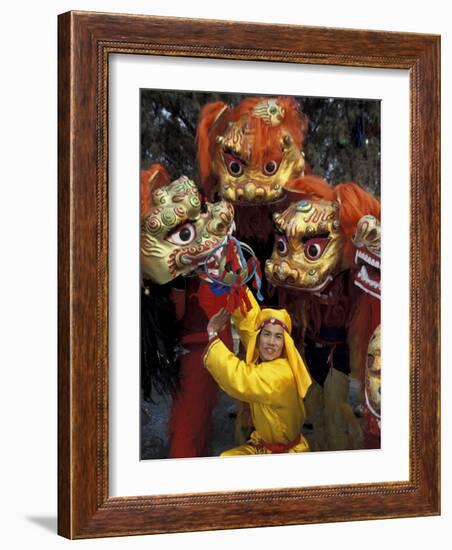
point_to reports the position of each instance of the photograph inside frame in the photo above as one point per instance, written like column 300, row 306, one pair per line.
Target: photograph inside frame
column 260, row 274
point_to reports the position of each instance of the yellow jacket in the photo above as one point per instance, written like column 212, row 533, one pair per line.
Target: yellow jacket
column 270, row 388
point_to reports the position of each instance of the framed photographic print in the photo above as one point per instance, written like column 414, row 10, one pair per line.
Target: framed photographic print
column 198, row 158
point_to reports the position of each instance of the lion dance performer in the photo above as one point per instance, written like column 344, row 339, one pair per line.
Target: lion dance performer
column 178, row 230
column 312, row 265
column 366, row 323
column 273, row 378
column 246, row 156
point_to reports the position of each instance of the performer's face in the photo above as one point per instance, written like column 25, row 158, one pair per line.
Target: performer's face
column 271, row 342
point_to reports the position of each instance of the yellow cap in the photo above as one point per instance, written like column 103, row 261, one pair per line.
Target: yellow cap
column 299, row 370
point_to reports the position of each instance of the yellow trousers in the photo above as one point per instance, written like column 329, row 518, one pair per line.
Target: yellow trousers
column 253, row 447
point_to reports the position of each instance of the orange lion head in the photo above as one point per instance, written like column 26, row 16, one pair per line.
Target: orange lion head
column 247, row 154
column 313, row 241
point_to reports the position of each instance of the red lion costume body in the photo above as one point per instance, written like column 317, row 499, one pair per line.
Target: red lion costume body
column 246, row 156
column 252, row 156
column 178, row 232
column 366, row 323
column 312, row 264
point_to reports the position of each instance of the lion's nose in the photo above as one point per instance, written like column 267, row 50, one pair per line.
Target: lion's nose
column 284, row 273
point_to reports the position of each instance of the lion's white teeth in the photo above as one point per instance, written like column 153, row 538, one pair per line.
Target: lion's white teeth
column 360, row 255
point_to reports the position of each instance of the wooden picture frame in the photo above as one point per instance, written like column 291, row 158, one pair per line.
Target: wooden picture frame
column 86, row 40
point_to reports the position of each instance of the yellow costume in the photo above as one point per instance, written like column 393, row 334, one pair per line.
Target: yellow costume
column 274, row 389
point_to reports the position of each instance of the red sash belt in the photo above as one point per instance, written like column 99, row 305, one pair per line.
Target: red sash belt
column 276, row 448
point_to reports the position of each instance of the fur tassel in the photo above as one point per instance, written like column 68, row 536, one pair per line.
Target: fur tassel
column 152, row 178
column 208, row 118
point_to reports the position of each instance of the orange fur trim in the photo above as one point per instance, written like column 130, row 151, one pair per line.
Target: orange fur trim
column 355, row 203
column 207, row 119
column 266, row 138
column 312, row 187
column 152, row 178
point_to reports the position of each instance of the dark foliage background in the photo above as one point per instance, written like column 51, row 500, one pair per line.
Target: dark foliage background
column 342, row 144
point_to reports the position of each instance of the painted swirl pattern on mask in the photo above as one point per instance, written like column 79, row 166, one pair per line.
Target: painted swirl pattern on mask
column 178, row 231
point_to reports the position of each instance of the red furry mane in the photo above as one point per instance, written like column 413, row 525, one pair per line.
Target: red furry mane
column 207, row 120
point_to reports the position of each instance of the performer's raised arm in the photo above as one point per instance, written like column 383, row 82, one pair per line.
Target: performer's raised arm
column 246, row 324
column 273, row 378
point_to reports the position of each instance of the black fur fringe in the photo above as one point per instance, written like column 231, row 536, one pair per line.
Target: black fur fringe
column 159, row 360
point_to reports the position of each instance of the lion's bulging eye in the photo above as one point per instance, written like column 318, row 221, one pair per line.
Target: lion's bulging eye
column 234, row 165
column 271, row 167
column 314, row 248
column 314, row 251
column 182, row 235
column 281, row 246
column 235, row 168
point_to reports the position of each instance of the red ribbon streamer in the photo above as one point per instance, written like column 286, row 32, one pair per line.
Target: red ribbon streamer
column 238, row 298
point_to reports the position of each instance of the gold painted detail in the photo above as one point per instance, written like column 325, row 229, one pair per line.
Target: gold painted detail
column 308, row 250
column 176, row 236
column 270, row 112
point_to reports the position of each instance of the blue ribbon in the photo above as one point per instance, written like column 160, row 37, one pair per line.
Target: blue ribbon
column 218, row 288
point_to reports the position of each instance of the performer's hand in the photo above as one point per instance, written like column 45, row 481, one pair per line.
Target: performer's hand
column 219, row 321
